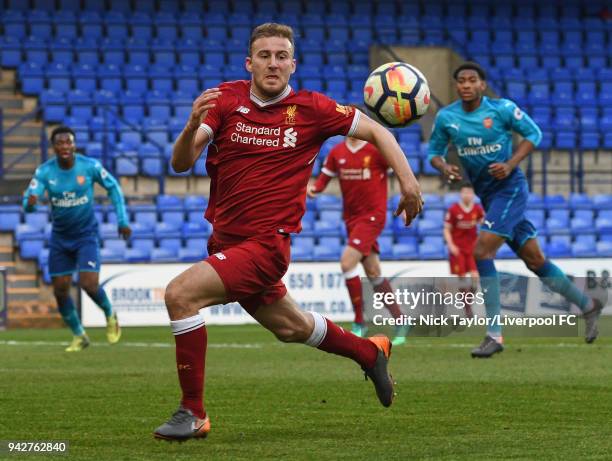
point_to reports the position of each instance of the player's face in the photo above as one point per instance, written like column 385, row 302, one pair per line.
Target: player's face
column 271, row 64
column 470, row 86
column 64, row 147
column 467, row 195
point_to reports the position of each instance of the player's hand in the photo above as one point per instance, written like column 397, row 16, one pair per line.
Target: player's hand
column 410, row 204
column 451, row 173
column 203, row 103
column 32, row 199
column 311, row 191
column 454, row 250
column 500, row 170
column 125, row 232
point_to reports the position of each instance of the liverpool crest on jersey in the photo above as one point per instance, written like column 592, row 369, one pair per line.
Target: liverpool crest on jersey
column 290, row 114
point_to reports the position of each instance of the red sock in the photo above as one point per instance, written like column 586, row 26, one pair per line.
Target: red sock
column 385, row 287
column 354, row 288
column 341, row 342
column 190, row 361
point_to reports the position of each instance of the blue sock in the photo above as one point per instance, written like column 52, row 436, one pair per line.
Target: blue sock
column 70, row 316
column 489, row 281
column 555, row 279
column 103, row 302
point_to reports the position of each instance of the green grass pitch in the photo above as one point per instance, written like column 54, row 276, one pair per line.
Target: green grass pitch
column 542, row 399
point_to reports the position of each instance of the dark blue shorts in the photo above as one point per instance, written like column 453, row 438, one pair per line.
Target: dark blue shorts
column 69, row 255
column 505, row 215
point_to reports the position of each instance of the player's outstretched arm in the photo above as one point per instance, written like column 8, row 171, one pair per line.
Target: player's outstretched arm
column 327, row 173
column 34, row 190
column 192, row 140
column 411, row 199
column 113, row 189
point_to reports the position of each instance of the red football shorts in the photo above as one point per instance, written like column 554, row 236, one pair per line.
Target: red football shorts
column 251, row 269
column 363, row 232
column 463, row 263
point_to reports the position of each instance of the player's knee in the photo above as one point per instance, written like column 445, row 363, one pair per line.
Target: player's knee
column 480, row 252
column 372, row 272
column 61, row 293
column 91, row 288
column 173, row 297
column 535, row 262
column 347, row 265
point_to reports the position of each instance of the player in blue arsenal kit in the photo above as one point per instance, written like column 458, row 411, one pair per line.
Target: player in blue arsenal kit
column 69, row 181
column 481, row 129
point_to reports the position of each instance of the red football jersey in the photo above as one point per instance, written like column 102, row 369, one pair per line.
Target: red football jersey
column 463, row 223
column 362, row 172
column 262, row 154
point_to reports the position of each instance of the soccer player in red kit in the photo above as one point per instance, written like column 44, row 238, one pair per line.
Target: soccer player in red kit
column 460, row 233
column 362, row 172
column 264, row 137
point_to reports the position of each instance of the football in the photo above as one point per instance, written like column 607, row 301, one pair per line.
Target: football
column 396, row 94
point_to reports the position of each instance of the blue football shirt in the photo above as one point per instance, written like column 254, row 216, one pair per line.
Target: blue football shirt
column 71, row 195
column 483, row 137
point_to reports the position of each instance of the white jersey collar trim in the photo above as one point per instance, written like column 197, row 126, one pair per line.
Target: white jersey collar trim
column 261, row 103
column 357, row 148
column 466, row 210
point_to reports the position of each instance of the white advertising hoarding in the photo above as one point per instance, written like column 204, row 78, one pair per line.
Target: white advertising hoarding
column 137, row 290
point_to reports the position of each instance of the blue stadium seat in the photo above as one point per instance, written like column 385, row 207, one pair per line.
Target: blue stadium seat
column 145, row 244
column 141, row 230
column 137, row 255
column 163, row 255
column 326, row 228
column 37, row 219
column 430, row 226
column 167, row 230
column 602, row 201
column 195, row 203
column 10, row 217
column 328, row 202
column 429, row 250
column 584, row 249
column 191, row 254
column 325, row 253
column 554, row 201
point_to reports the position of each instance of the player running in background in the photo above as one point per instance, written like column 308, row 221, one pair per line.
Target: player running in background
column 264, row 139
column 362, row 172
column 481, row 129
column 460, row 233
column 69, row 179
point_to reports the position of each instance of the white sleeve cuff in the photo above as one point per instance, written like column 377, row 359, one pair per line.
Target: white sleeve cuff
column 355, row 123
column 208, row 131
column 328, row 172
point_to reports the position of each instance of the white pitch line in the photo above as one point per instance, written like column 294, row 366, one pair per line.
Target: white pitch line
column 511, row 346
column 131, row 344
column 259, row 345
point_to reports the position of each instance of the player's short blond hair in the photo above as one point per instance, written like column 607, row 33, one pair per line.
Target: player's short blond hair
column 272, row 29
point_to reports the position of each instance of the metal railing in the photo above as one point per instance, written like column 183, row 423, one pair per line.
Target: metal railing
column 108, row 156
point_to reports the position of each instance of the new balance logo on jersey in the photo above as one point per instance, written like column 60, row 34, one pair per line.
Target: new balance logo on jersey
column 489, row 224
column 243, row 110
column 220, row 256
column 290, row 137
